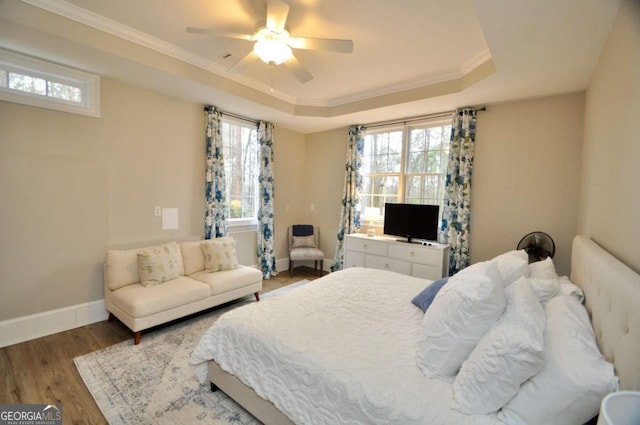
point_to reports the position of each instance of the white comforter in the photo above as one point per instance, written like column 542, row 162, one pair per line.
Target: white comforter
column 339, row 350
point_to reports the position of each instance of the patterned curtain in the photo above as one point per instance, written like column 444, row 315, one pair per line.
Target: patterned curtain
column 266, row 251
column 350, row 213
column 456, row 215
column 215, row 190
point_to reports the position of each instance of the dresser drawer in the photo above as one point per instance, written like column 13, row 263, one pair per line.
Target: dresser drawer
column 427, row 272
column 416, row 254
column 353, row 259
column 368, row 246
column 386, row 263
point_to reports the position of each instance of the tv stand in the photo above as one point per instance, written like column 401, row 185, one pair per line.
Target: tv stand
column 401, row 256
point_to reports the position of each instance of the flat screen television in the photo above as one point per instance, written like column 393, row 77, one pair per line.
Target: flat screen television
column 412, row 221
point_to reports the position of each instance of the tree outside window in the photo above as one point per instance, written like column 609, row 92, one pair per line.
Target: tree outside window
column 404, row 164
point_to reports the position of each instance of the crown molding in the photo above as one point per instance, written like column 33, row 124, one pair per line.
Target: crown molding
column 75, row 13
column 125, row 32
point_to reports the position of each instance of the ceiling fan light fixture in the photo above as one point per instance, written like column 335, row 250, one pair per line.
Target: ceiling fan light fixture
column 272, row 46
column 272, row 51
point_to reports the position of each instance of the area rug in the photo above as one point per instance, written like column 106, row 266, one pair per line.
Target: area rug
column 152, row 383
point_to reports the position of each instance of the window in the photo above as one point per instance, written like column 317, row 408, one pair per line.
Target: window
column 404, row 164
column 241, row 166
column 35, row 82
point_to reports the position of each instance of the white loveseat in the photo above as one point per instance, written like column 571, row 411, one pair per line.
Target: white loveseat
column 194, row 289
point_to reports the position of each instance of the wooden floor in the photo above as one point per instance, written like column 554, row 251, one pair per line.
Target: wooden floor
column 42, row 370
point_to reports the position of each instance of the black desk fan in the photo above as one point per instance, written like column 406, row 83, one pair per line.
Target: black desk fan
column 538, row 245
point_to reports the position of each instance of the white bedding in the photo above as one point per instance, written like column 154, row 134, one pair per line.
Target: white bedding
column 352, row 363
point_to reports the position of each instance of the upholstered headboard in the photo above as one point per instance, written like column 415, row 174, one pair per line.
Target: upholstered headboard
column 612, row 298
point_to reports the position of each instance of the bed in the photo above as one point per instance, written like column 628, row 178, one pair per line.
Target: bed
column 295, row 369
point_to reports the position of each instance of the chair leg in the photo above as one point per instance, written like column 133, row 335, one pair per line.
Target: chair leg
column 315, row 266
column 291, row 268
column 321, row 268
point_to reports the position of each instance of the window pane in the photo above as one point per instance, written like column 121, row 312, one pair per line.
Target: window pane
column 66, row 92
column 27, row 84
column 240, row 150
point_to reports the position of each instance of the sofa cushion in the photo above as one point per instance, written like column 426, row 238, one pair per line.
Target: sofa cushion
column 121, row 266
column 192, row 257
column 228, row 280
column 140, row 301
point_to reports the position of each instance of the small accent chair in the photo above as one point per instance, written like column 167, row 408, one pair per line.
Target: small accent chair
column 304, row 240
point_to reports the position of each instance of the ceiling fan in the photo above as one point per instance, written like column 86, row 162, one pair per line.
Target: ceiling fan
column 273, row 42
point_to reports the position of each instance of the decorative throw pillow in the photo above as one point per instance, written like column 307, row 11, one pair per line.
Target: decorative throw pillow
column 303, row 242
column 462, row 312
column 158, row 264
column 219, row 254
column 575, row 376
column 424, row 299
column 512, row 265
column 505, row 357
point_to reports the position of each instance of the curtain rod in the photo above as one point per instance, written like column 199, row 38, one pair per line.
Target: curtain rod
column 418, row 118
column 240, row 117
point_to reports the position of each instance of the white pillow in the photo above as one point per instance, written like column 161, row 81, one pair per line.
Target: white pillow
column 462, row 312
column 158, row 264
column 512, row 265
column 543, row 269
column 575, row 377
column 569, row 288
column 219, row 254
column 544, row 288
column 506, row 356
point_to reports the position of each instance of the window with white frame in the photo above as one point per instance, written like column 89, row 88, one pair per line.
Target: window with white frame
column 406, row 163
column 241, row 166
column 35, row 82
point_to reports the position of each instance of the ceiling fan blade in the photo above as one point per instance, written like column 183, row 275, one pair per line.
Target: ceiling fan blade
column 251, row 57
column 298, row 70
column 277, row 12
column 325, row 44
column 216, row 33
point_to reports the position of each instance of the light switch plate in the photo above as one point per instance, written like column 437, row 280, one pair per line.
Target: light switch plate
column 157, row 211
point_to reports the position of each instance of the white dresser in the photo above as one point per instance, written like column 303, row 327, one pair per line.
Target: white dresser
column 387, row 253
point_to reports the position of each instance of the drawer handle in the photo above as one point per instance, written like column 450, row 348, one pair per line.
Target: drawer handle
column 413, row 254
column 364, row 246
column 386, row 266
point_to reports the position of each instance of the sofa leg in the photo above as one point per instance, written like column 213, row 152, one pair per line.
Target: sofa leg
column 136, row 337
column 110, row 319
column 257, row 294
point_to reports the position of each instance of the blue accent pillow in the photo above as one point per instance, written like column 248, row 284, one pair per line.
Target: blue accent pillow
column 302, row 229
column 425, row 298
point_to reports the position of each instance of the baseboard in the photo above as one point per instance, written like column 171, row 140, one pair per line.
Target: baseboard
column 25, row 328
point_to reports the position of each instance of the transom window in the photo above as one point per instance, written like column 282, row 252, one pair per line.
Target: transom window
column 404, row 164
column 241, row 166
column 35, row 82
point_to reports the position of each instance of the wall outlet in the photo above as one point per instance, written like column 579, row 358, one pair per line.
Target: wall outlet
column 157, row 211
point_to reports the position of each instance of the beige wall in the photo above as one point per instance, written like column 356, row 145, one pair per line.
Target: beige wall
column 610, row 197
column 288, row 174
column 526, row 175
column 325, row 158
column 72, row 186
